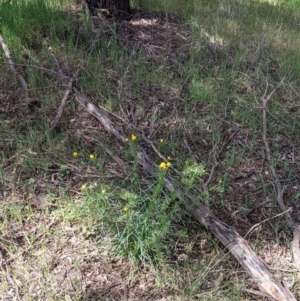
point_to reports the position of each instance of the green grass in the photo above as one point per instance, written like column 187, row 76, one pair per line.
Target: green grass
column 202, row 96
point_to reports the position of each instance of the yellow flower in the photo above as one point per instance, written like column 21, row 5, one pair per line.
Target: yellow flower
column 92, row 156
column 83, row 187
column 126, row 139
column 103, row 191
column 125, row 209
column 161, row 140
column 75, row 154
column 169, row 164
column 169, row 158
column 163, row 165
column 133, row 137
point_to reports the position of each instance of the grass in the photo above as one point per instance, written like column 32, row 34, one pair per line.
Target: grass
column 189, row 82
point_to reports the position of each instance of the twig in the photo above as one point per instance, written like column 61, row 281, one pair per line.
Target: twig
column 188, row 147
column 55, row 122
column 46, row 70
column 154, row 147
column 55, row 61
column 279, row 189
column 11, row 64
column 114, row 156
column 258, row 224
column 100, row 115
column 255, row 292
column 205, row 185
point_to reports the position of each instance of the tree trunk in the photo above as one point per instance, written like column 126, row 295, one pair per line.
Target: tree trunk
column 119, row 8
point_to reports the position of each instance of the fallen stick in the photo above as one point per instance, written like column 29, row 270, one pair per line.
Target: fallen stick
column 11, row 64
column 279, row 189
column 55, row 122
column 238, row 246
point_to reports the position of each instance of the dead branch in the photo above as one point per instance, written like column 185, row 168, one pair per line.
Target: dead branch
column 238, row 246
column 279, row 188
column 266, row 220
column 154, row 147
column 243, row 253
column 188, row 147
column 205, row 185
column 55, row 122
column 55, row 60
column 117, row 159
column 11, row 64
column 45, row 70
column 100, row 115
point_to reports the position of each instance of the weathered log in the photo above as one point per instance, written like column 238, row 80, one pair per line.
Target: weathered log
column 238, row 246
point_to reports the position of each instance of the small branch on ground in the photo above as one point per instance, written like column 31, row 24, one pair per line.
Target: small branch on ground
column 279, row 188
column 100, row 115
column 205, row 185
column 154, row 147
column 258, row 224
column 44, row 70
column 112, row 155
column 11, row 64
column 55, row 61
column 55, row 122
column 189, row 148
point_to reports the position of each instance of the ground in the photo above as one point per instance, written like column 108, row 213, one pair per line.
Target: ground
column 50, row 252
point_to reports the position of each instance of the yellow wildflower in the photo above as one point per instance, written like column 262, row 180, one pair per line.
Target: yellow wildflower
column 169, row 158
column 133, row 137
column 125, row 209
column 163, row 165
column 92, row 156
column 83, row 187
column 126, row 139
column 169, row 164
column 103, row 191
column 75, row 154
column 161, row 140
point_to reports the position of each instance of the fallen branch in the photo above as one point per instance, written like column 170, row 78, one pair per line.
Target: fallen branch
column 279, row 188
column 45, row 70
column 238, row 246
column 11, row 64
column 55, row 122
column 243, row 253
column 266, row 220
column 100, row 115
